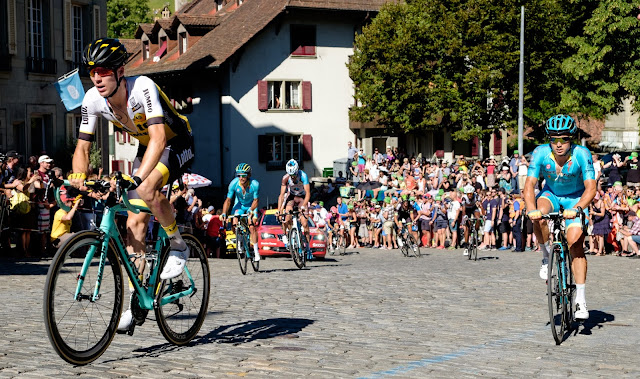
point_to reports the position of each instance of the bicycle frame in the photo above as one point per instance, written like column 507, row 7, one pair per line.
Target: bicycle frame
column 109, row 232
column 556, row 229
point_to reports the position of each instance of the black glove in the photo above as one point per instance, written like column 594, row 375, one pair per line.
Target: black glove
column 130, row 183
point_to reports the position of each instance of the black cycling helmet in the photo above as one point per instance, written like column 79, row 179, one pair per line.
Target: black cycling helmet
column 104, row 52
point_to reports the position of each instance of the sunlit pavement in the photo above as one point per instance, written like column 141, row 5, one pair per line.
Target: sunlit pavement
column 369, row 313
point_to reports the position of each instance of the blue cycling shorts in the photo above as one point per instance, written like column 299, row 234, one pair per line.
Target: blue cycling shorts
column 240, row 209
column 567, row 202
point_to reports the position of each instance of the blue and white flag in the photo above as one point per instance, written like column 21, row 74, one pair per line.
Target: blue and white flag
column 70, row 89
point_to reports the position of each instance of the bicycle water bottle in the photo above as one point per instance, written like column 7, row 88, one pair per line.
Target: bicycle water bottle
column 151, row 257
column 399, row 241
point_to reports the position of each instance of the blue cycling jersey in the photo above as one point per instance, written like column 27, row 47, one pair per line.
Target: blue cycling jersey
column 242, row 197
column 570, row 179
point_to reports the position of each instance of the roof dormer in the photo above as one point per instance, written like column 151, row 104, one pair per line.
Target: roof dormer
column 163, row 41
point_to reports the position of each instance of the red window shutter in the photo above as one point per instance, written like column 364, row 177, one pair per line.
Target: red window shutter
column 263, row 148
column 497, row 143
column 306, row 96
column 298, row 51
column 474, row 146
column 263, row 95
column 307, row 144
column 308, row 50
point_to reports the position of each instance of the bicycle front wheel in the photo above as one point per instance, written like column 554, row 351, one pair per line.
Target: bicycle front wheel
column 180, row 320
column 414, row 246
column 295, row 248
column 473, row 252
column 342, row 244
column 557, row 303
column 81, row 328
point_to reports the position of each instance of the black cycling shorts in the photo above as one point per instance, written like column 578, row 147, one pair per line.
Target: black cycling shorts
column 176, row 158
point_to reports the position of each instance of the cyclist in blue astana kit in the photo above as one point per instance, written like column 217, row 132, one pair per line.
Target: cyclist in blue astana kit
column 246, row 192
column 567, row 170
column 137, row 106
column 295, row 190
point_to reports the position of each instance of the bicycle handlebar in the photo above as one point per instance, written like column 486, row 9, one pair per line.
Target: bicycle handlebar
column 101, row 186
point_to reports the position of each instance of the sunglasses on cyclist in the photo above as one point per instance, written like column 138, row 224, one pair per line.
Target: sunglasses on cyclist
column 101, row 71
column 559, row 139
column 242, row 175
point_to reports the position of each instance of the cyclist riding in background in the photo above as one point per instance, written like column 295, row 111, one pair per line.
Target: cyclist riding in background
column 567, row 170
column 136, row 105
column 246, row 190
column 472, row 206
column 294, row 191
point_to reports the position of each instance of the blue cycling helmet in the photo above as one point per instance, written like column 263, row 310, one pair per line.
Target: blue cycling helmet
column 560, row 124
column 243, row 168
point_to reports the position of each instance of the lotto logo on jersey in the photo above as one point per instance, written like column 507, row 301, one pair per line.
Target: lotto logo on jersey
column 185, row 156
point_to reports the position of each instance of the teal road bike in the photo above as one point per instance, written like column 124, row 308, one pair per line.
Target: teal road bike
column 561, row 285
column 84, row 296
column 243, row 247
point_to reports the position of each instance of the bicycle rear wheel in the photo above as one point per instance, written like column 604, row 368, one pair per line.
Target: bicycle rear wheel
column 295, row 247
column 242, row 250
column 81, row 329
column 342, row 244
column 414, row 246
column 473, row 252
column 569, row 316
column 557, row 305
column 180, row 320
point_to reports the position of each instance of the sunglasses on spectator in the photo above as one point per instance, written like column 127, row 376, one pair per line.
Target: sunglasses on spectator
column 560, row 139
column 101, row 71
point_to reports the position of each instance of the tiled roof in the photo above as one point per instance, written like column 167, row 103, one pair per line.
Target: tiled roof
column 232, row 28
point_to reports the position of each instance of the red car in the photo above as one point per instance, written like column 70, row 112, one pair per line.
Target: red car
column 270, row 237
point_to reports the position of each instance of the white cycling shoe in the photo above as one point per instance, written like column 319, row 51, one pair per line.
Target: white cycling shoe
column 126, row 320
column 544, row 270
column 175, row 264
column 256, row 256
column 465, row 252
column 582, row 313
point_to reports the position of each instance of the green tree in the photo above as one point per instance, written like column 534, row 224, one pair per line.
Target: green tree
column 605, row 66
column 124, row 16
column 429, row 64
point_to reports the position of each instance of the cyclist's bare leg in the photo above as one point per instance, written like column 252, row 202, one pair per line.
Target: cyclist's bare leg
column 149, row 191
column 253, row 230
column 575, row 239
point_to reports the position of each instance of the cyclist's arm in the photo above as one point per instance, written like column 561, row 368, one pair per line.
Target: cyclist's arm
column 80, row 162
column 155, row 148
column 529, row 193
column 307, row 196
column 283, row 190
column 588, row 194
column 226, row 205
column 254, row 205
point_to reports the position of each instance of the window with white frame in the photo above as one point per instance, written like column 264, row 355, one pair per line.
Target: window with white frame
column 145, row 49
column 34, row 28
column 285, row 94
column 182, row 42
column 76, row 32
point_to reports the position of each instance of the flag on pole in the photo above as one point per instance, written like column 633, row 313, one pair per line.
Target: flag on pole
column 70, row 88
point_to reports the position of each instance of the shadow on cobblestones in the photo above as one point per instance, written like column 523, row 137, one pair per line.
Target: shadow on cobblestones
column 255, row 330
column 596, row 319
column 23, row 267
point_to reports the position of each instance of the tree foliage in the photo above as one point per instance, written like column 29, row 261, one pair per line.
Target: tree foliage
column 428, row 64
column 124, row 16
column 605, row 66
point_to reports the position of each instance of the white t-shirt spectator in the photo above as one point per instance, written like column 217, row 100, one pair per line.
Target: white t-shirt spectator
column 453, row 209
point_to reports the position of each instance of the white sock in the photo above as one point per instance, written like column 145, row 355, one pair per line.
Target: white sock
column 580, row 293
column 255, row 249
column 545, row 247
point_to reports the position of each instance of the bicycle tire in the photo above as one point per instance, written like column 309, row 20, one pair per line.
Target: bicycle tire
column 404, row 249
column 242, row 250
column 557, row 307
column 304, row 244
column 181, row 320
column 294, row 247
column 474, row 249
column 255, row 264
column 571, row 291
column 343, row 245
column 414, row 245
column 65, row 317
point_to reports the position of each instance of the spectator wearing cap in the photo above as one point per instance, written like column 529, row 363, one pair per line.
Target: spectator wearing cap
column 61, row 230
column 42, row 198
column 490, row 205
column 614, row 171
column 513, row 168
column 351, row 152
column 13, row 159
column 504, row 179
column 454, row 214
column 378, row 157
column 633, row 175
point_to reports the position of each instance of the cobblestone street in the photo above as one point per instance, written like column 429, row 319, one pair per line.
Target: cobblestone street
column 370, row 313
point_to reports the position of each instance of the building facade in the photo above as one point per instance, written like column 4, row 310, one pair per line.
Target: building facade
column 40, row 41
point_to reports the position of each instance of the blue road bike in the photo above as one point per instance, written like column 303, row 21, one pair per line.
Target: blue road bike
column 84, row 294
column 561, row 285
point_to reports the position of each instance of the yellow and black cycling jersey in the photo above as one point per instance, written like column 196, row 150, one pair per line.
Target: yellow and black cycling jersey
column 146, row 105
